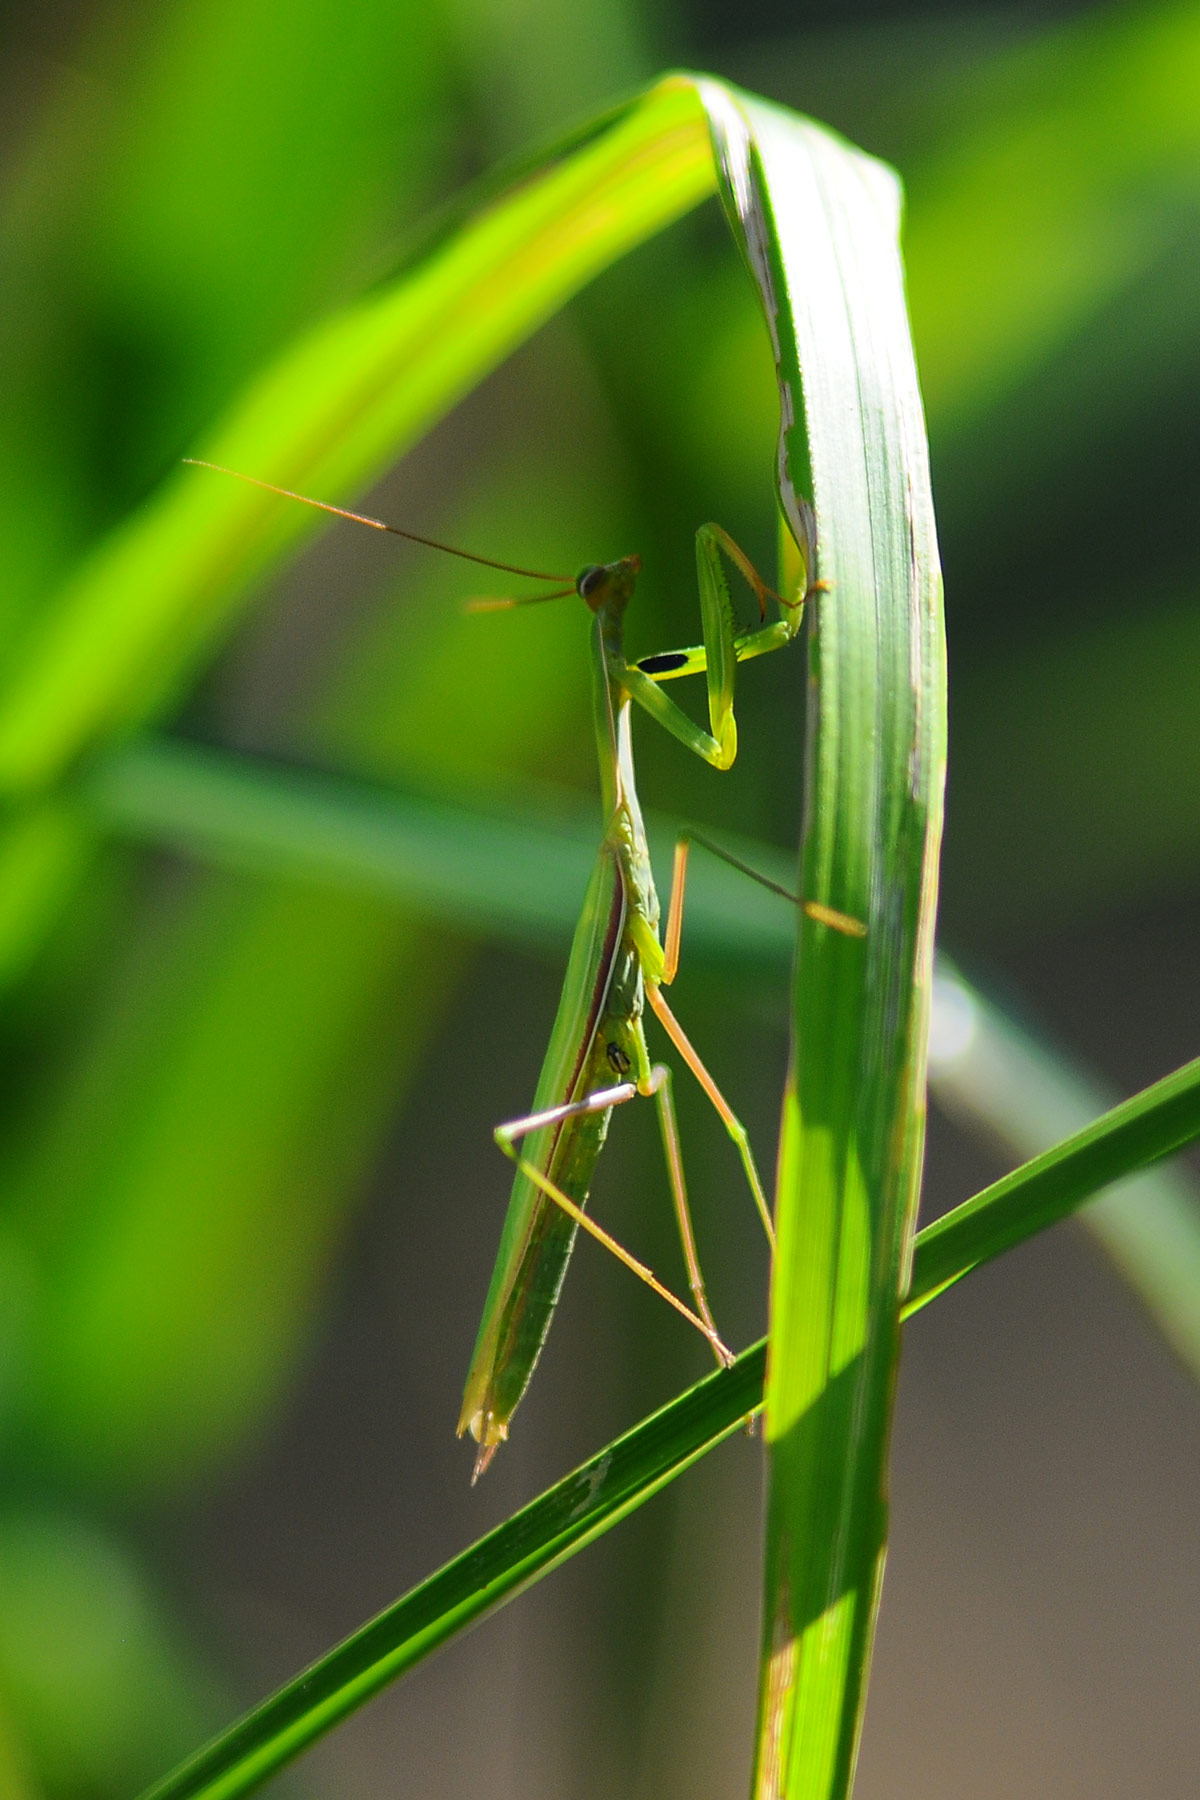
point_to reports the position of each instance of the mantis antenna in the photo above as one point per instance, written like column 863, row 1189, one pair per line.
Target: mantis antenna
column 342, row 512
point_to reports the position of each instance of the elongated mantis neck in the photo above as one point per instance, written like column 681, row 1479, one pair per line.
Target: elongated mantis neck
column 626, row 779
column 612, row 717
column 608, row 703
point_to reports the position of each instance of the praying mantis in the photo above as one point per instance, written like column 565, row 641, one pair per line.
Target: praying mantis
column 597, row 1058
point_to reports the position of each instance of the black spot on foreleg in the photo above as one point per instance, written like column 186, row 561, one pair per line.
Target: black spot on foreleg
column 662, row 665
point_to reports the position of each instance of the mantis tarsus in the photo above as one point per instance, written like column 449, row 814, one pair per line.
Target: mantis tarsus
column 597, row 1057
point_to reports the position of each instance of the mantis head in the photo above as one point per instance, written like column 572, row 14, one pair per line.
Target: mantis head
column 604, row 585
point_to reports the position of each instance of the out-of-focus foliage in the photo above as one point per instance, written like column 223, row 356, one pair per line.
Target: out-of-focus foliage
column 98, row 1686
column 202, row 1066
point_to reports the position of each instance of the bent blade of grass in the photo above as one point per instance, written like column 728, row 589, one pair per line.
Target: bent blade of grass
column 820, row 224
column 631, row 1470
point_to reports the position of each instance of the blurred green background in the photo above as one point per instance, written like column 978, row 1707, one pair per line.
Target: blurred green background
column 248, row 1194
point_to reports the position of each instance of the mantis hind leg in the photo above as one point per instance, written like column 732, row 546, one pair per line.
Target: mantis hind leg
column 725, row 1112
column 815, row 909
column 660, row 1087
column 507, row 1137
column 672, row 939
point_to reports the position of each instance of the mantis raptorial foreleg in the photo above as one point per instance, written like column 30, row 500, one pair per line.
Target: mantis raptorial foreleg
column 717, row 658
column 728, row 1117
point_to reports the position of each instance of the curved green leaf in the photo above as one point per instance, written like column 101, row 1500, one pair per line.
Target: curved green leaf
column 820, row 226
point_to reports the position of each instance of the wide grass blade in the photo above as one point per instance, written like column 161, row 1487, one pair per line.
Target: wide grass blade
column 820, row 225
column 633, row 1468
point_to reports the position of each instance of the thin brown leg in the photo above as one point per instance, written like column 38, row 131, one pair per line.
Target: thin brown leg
column 674, row 931
column 660, row 1078
column 816, row 909
column 728, row 1117
column 506, row 1137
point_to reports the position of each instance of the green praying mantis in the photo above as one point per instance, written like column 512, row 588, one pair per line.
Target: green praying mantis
column 597, row 1058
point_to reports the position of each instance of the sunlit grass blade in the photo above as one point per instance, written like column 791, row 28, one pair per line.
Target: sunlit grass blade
column 330, row 415
column 820, row 226
column 631, row 1470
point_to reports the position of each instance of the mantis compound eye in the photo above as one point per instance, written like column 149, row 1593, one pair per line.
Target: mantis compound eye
column 588, row 580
